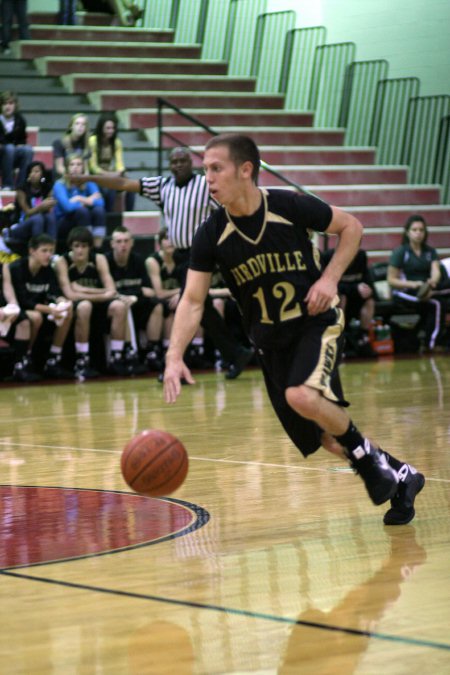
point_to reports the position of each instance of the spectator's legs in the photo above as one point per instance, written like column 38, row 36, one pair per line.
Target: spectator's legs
column 22, row 19
column 7, row 155
column 109, row 197
column 50, row 226
column 7, row 17
column 31, row 227
column 23, row 156
column 78, row 218
column 130, row 198
column 98, row 224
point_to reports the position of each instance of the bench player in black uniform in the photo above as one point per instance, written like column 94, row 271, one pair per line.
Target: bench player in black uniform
column 260, row 241
column 39, row 295
column 15, row 330
column 132, row 282
column 84, row 277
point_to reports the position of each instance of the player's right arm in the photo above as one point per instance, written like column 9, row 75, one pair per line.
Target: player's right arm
column 187, row 320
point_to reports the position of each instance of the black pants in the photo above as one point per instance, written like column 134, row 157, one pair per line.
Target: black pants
column 9, row 8
column 212, row 322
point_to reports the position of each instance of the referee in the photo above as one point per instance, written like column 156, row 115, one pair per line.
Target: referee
column 185, row 202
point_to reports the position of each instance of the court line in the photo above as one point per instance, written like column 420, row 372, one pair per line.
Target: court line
column 299, row 467
column 416, row 642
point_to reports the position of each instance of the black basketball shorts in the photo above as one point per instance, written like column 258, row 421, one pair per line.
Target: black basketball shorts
column 311, row 358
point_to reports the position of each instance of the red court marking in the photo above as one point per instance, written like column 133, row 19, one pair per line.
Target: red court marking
column 42, row 524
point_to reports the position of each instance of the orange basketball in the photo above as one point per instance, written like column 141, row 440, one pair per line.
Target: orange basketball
column 154, row 463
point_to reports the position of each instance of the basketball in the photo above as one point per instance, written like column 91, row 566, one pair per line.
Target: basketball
column 154, row 463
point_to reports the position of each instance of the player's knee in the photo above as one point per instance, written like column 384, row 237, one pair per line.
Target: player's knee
column 118, row 309
column 302, row 399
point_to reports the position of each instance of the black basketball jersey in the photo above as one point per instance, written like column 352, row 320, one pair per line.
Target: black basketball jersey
column 33, row 289
column 131, row 278
column 89, row 276
column 169, row 278
column 267, row 259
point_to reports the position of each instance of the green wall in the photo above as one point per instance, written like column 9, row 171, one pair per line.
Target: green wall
column 412, row 35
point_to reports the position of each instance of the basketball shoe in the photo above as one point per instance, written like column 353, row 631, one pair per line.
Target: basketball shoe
column 380, row 479
column 23, row 372
column 402, row 509
column 54, row 371
column 82, row 368
column 243, row 358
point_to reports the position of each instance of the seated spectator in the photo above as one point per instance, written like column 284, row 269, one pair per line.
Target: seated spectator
column 38, row 294
column 414, row 275
column 106, row 158
column 34, row 207
column 14, row 151
column 78, row 205
column 10, row 8
column 132, row 282
column 15, row 329
column 84, row 277
column 74, row 142
column 356, row 299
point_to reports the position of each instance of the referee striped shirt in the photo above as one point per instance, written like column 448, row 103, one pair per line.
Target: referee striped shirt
column 184, row 207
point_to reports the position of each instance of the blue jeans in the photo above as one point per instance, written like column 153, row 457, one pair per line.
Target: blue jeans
column 12, row 157
column 33, row 226
column 9, row 8
column 93, row 218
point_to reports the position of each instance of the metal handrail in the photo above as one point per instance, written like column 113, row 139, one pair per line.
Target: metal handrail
column 163, row 102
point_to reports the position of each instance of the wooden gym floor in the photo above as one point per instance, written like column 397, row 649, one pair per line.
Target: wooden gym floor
column 262, row 562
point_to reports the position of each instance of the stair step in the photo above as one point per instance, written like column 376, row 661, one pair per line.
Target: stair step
column 105, row 100
column 390, row 238
column 83, row 84
column 61, row 102
column 304, row 155
column 368, row 195
column 32, row 84
column 396, row 216
column 100, row 34
column 65, row 66
column 146, row 117
column 83, row 18
column 262, row 135
column 335, row 175
column 32, row 49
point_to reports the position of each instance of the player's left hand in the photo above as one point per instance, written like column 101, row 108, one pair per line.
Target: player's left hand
column 320, row 296
column 175, row 371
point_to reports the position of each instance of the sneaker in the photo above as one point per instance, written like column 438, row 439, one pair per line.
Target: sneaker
column 153, row 362
column 402, row 510
column 236, row 368
column 195, row 358
column 54, row 371
column 83, row 370
column 380, row 479
column 23, row 373
column 119, row 367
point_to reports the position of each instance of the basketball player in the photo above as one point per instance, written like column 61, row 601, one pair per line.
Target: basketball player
column 260, row 241
column 39, row 295
column 84, row 277
column 130, row 276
